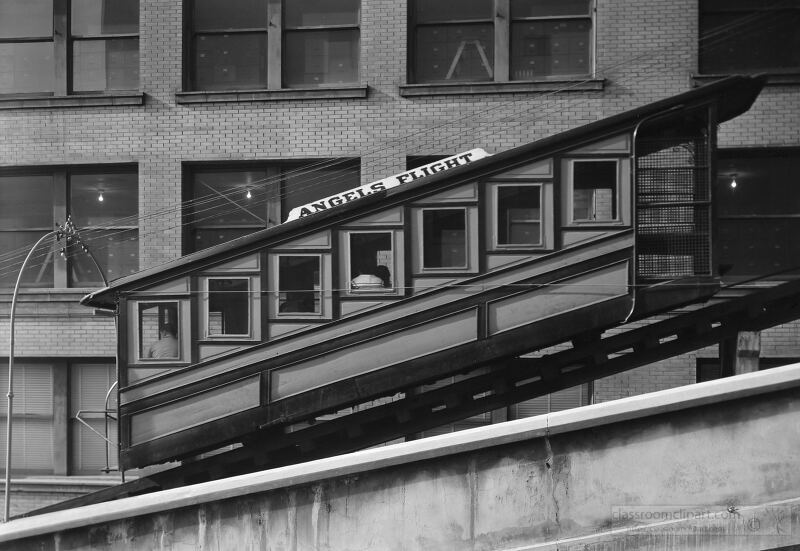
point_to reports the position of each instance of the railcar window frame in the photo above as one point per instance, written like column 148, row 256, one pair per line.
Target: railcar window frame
column 319, row 313
column 180, row 331
column 392, row 288
column 498, row 218
column 424, row 268
column 616, row 201
column 205, row 308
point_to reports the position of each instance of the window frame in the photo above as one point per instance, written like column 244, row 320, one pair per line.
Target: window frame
column 619, row 219
column 323, row 277
column 393, row 290
column 63, row 61
column 496, row 217
column 181, row 331
column 61, row 208
column 274, row 54
column 469, row 253
column 205, row 311
column 501, row 62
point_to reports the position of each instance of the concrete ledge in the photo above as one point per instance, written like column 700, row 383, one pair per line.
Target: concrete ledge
column 285, row 94
column 637, row 407
column 512, row 87
column 87, row 100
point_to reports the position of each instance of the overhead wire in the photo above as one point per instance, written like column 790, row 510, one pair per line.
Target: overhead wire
column 208, row 204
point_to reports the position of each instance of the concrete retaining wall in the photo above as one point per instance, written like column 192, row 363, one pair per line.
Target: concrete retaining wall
column 712, row 466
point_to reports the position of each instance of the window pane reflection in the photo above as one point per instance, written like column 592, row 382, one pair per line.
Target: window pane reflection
column 26, row 18
column 119, row 205
column 26, row 67
column 321, row 57
column 116, row 251
column 100, row 65
column 99, row 17
column 220, row 197
column 230, row 62
column 545, row 48
column 231, row 14
column 14, row 247
column 299, row 285
column 445, row 10
column 549, row 8
column 304, row 184
column 455, row 53
column 321, row 12
column 26, row 202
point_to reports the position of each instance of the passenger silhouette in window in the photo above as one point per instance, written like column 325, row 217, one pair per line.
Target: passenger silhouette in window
column 167, row 344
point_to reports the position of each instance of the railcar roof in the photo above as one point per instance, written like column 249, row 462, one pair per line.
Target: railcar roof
column 733, row 96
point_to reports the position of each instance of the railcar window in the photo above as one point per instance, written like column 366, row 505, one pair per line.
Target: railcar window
column 594, row 191
column 159, row 331
column 228, row 306
column 299, row 284
column 371, row 262
column 519, row 215
column 444, row 238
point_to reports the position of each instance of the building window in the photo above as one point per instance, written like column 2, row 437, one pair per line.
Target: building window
column 159, row 331
column 226, row 202
column 92, row 417
column 749, row 36
column 101, row 46
column 299, row 285
column 371, row 262
column 471, row 41
column 594, row 190
column 519, row 215
column 560, row 400
column 758, row 218
column 444, row 238
column 103, row 204
column 32, row 442
column 248, row 44
column 228, row 303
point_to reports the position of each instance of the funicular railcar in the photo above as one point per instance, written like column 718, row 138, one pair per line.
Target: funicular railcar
column 376, row 292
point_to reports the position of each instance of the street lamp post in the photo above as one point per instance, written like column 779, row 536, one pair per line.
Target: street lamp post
column 66, row 232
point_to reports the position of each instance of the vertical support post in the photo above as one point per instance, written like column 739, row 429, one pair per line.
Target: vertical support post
column 748, row 349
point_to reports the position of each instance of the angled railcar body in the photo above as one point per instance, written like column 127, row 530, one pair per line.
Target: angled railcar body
column 470, row 266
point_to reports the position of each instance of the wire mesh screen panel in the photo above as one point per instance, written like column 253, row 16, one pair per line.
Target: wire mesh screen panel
column 673, row 218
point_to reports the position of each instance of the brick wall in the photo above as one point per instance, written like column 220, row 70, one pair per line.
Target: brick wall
column 644, row 51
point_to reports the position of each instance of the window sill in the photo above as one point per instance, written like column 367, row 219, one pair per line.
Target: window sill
column 333, row 92
column 773, row 79
column 93, row 100
column 577, row 85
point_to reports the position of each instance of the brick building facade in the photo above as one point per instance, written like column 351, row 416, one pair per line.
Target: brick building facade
column 172, row 105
